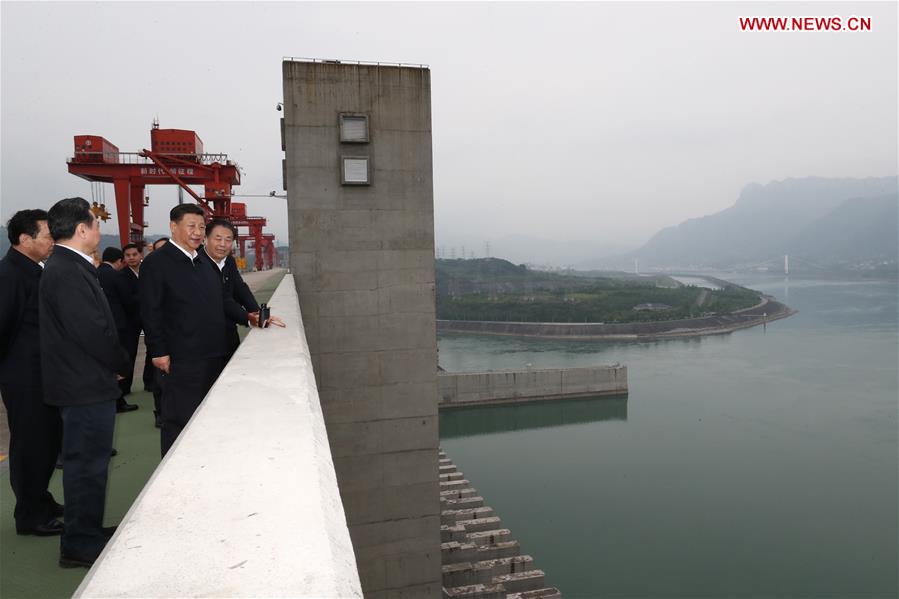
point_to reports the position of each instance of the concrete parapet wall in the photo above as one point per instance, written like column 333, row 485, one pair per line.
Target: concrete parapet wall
column 246, row 503
column 502, row 386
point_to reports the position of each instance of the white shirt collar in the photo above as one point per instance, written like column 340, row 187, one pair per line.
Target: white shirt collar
column 79, row 252
column 192, row 254
column 221, row 264
column 133, row 271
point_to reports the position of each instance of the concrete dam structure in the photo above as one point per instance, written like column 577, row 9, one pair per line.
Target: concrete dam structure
column 358, row 177
column 516, row 386
column 480, row 559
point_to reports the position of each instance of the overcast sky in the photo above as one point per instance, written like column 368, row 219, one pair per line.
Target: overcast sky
column 582, row 121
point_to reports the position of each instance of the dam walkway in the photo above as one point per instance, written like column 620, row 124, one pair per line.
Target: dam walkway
column 28, row 564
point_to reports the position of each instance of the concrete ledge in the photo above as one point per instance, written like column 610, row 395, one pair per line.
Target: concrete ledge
column 246, row 503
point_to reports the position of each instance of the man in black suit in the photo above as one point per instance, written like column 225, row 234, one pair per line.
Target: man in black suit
column 220, row 235
column 109, row 273
column 35, row 428
column 183, row 313
column 149, row 375
column 129, row 296
column 80, row 359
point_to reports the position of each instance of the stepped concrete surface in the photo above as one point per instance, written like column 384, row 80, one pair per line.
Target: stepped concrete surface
column 479, row 558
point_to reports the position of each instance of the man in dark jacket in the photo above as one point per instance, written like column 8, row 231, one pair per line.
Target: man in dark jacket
column 220, row 235
column 35, row 428
column 80, row 358
column 183, row 313
column 109, row 273
column 129, row 297
column 150, row 377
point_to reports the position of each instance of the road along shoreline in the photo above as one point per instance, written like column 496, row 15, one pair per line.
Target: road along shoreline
column 767, row 310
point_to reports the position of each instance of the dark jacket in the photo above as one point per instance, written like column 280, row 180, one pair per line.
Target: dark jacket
column 239, row 299
column 128, row 288
column 237, row 289
column 80, row 351
column 182, row 306
column 20, row 350
column 109, row 281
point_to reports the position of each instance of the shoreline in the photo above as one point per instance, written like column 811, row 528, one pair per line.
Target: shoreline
column 767, row 310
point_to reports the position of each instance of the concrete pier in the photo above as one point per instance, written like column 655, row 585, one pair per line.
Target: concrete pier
column 480, row 559
column 459, row 389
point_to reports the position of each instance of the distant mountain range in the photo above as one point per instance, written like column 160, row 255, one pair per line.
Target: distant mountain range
column 818, row 219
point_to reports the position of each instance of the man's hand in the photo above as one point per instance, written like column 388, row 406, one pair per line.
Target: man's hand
column 276, row 321
column 253, row 319
column 163, row 363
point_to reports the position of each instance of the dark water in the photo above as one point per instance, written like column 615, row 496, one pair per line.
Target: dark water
column 756, row 464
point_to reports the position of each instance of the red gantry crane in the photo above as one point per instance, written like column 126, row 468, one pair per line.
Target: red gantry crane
column 176, row 157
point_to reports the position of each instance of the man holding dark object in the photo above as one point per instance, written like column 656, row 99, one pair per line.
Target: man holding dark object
column 80, row 359
column 35, row 428
column 220, row 235
column 183, row 314
column 109, row 275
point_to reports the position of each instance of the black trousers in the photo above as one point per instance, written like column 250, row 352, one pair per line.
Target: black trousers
column 184, row 388
column 129, row 339
column 149, row 370
column 35, row 434
column 86, row 444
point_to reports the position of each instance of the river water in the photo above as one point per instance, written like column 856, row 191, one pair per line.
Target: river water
column 762, row 463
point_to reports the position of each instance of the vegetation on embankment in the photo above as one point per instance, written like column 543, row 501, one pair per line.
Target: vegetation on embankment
column 491, row 289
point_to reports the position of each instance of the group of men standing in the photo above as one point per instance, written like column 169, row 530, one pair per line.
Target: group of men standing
column 68, row 342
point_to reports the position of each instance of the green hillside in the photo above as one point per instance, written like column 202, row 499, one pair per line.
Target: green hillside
column 497, row 290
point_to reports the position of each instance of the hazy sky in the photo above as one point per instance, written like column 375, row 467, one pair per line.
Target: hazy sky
column 576, row 121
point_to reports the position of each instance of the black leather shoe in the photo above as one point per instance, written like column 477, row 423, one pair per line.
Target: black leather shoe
column 75, row 560
column 123, row 406
column 57, row 510
column 50, row 529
